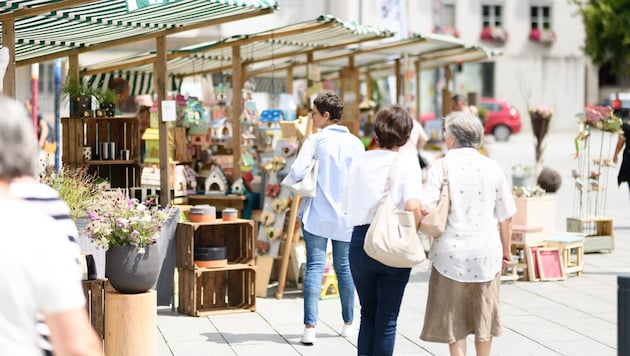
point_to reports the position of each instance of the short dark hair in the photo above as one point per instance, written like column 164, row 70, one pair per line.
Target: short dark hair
column 330, row 103
column 118, row 85
column 392, row 126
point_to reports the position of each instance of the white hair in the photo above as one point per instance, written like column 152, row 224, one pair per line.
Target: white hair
column 19, row 153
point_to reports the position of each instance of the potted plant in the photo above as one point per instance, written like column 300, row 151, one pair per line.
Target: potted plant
column 107, row 102
column 80, row 98
column 494, row 34
column 544, row 36
column 129, row 231
column 77, row 188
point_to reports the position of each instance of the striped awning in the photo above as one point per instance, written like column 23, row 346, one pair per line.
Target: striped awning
column 431, row 50
column 139, row 82
column 47, row 29
column 273, row 46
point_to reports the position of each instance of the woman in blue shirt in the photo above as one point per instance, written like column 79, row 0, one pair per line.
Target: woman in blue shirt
column 335, row 148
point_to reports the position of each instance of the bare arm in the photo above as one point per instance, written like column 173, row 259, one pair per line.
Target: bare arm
column 43, row 135
column 72, row 334
column 422, row 138
column 413, row 205
column 505, row 231
column 620, row 143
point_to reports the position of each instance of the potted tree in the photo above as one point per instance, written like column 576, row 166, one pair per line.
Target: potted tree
column 80, row 98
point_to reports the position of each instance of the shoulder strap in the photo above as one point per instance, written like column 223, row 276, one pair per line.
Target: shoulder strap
column 388, row 181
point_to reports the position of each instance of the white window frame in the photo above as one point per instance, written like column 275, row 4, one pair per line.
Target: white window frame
column 541, row 22
column 492, row 19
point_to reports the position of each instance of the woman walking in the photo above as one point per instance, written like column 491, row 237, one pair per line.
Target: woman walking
column 380, row 287
column 335, row 148
column 467, row 259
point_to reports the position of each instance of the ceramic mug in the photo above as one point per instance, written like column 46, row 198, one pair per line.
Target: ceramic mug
column 87, row 153
column 124, row 155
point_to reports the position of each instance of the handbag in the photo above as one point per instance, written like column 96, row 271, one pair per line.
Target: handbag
column 392, row 237
column 307, row 187
column 434, row 223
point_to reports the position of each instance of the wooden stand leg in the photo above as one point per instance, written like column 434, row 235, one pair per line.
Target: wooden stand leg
column 282, row 277
column 131, row 324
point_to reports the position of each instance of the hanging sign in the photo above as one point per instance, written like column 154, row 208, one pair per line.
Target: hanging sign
column 133, row 5
column 169, row 112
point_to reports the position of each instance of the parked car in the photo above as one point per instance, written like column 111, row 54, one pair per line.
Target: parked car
column 502, row 119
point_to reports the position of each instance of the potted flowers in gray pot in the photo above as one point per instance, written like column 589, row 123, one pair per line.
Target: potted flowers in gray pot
column 129, row 231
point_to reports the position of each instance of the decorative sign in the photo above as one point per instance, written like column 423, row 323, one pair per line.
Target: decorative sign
column 133, row 5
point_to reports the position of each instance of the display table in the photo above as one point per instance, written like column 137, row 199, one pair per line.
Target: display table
column 221, row 202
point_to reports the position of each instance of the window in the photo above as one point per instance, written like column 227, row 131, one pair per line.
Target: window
column 541, row 17
column 491, row 15
column 46, row 83
column 448, row 15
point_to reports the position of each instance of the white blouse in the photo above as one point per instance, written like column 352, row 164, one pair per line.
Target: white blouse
column 365, row 185
column 470, row 249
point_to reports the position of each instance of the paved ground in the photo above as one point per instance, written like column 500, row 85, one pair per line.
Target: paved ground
column 574, row 317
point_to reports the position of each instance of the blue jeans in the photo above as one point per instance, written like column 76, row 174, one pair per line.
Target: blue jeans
column 315, row 265
column 380, row 290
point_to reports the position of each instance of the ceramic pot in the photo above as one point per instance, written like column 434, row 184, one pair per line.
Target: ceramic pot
column 81, row 106
column 131, row 271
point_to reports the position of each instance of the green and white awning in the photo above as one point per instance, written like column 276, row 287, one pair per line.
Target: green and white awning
column 273, row 46
column 46, row 29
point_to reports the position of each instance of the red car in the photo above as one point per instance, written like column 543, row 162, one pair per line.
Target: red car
column 502, row 119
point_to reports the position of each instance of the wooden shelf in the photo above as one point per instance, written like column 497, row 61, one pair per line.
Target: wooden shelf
column 228, row 267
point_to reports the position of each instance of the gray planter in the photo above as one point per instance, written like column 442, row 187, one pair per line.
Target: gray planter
column 130, row 272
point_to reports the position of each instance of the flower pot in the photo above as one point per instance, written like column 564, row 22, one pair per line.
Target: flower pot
column 109, row 109
column 131, row 270
column 81, row 106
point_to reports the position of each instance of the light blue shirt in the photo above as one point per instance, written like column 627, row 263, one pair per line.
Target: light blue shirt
column 335, row 148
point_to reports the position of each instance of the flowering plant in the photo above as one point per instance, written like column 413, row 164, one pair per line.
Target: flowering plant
column 76, row 187
column 541, row 112
column 494, row 34
column 121, row 221
column 601, row 117
column 542, row 36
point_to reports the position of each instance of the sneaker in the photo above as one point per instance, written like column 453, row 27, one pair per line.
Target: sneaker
column 308, row 337
column 348, row 330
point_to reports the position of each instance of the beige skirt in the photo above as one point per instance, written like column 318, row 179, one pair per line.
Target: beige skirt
column 456, row 310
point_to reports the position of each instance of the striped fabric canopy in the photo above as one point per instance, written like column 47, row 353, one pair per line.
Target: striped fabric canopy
column 47, row 29
column 139, row 82
column 273, row 45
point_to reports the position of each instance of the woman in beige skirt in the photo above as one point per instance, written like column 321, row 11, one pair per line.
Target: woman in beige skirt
column 467, row 259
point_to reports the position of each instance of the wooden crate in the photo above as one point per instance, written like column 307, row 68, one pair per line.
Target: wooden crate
column 525, row 235
column 237, row 236
column 94, row 291
column 598, row 232
column 538, row 211
column 223, row 290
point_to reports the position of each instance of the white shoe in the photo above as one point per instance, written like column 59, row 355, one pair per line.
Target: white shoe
column 308, row 337
column 348, row 330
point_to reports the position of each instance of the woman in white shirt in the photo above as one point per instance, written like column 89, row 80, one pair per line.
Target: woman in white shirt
column 467, row 259
column 335, row 148
column 380, row 287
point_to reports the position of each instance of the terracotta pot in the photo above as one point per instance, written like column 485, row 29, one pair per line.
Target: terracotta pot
column 131, row 271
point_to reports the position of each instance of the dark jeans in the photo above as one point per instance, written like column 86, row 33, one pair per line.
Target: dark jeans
column 380, row 289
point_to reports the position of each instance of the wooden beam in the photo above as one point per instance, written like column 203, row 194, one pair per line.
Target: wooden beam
column 160, row 88
column 43, row 9
column 309, row 82
column 73, row 68
column 398, row 81
column 141, row 37
column 8, row 40
column 418, row 87
column 290, row 80
column 237, row 109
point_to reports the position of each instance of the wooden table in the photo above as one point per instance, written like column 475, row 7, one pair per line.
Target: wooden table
column 221, row 202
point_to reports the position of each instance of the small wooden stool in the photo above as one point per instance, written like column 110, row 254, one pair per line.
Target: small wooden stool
column 526, row 235
column 569, row 244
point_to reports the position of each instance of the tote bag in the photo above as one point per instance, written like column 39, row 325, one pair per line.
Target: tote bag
column 434, row 223
column 307, row 187
column 392, row 238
